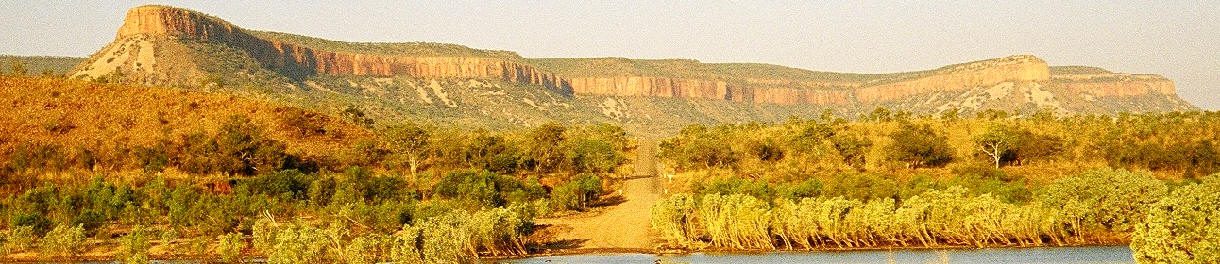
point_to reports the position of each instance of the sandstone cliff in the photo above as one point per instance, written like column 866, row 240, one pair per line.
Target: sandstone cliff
column 150, row 44
column 1114, row 84
column 297, row 60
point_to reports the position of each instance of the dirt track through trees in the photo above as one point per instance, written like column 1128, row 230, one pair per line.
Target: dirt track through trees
column 622, row 226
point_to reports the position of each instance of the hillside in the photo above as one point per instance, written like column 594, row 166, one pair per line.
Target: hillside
column 45, row 126
column 453, row 84
column 39, row 64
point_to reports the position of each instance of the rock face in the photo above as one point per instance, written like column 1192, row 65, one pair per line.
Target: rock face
column 959, row 78
column 300, row 58
column 1115, row 84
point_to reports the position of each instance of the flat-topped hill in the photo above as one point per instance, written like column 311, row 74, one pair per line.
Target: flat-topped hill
column 161, row 45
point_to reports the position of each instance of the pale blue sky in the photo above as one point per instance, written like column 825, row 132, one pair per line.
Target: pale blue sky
column 1179, row 39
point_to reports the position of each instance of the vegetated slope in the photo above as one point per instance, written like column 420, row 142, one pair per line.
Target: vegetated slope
column 447, row 84
column 39, row 64
column 76, row 124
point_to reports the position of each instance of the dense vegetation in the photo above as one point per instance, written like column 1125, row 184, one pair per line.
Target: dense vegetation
column 179, row 174
column 893, row 180
column 1107, row 206
column 1183, row 227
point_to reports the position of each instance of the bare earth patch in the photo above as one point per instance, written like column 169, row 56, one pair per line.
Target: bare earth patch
column 623, row 226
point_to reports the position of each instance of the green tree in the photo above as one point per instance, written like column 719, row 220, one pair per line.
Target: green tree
column 411, row 141
column 545, row 146
column 577, row 193
column 919, row 146
column 998, row 142
column 1103, row 200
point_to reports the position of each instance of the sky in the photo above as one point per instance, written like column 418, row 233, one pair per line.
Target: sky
column 1178, row 39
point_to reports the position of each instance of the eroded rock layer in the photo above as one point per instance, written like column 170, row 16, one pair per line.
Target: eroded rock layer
column 135, row 54
column 300, row 60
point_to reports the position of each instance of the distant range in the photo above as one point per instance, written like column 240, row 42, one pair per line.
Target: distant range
column 447, row 84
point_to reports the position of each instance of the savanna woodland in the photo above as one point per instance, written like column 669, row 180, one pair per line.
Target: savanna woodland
column 95, row 170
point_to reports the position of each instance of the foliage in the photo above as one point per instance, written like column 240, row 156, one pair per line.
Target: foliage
column 1182, row 227
column 483, row 188
column 1103, row 200
column 135, row 245
column 62, row 241
column 577, row 193
column 230, row 247
column 18, row 239
column 920, row 146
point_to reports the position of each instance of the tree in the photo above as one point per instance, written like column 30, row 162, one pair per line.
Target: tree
column 852, row 149
column 409, row 140
column 1182, row 228
column 545, row 146
column 920, row 146
column 997, row 142
column 577, row 193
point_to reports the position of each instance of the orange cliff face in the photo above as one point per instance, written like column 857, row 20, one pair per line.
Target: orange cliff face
column 1114, row 84
column 959, row 78
column 298, row 60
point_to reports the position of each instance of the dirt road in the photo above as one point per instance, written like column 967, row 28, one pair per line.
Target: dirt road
column 622, row 226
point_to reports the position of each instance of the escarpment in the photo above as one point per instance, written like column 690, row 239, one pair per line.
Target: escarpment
column 167, row 45
column 1114, row 84
column 297, row 60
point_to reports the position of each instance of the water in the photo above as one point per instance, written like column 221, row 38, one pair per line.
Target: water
column 1064, row 255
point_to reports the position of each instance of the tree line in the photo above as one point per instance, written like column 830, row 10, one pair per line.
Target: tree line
column 1099, row 206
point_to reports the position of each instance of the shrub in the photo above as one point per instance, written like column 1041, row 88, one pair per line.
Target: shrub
column 38, row 223
column 63, row 241
column 577, row 193
column 230, row 247
column 481, row 188
column 18, row 239
column 1183, row 227
column 135, row 246
column 286, row 184
column 1111, row 200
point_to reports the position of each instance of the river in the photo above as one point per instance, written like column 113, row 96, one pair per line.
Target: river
column 1063, row 255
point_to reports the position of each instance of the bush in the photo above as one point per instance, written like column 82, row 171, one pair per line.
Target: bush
column 135, row 246
column 286, row 184
column 230, row 247
column 63, row 241
column 577, row 193
column 1183, row 227
column 482, row 188
column 18, row 239
column 1104, row 199
column 38, row 223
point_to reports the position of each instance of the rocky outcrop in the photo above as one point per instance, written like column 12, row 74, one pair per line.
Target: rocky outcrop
column 958, row 78
column 651, row 86
column 296, row 60
column 1114, row 84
